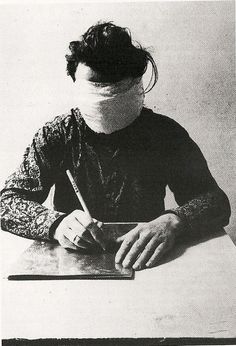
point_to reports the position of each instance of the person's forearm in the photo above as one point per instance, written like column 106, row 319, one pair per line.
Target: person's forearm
column 211, row 209
column 26, row 218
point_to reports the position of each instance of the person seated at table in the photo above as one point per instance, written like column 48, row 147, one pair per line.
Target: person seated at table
column 121, row 155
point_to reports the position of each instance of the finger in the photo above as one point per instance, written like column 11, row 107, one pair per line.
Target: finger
column 147, row 253
column 158, row 253
column 78, row 229
column 128, row 241
column 73, row 234
column 71, row 231
column 77, row 243
column 97, row 234
column 83, row 231
column 82, row 220
column 136, row 250
column 98, row 223
column 134, row 230
column 82, row 217
column 81, row 243
column 120, row 239
column 64, row 242
column 91, row 228
column 119, row 267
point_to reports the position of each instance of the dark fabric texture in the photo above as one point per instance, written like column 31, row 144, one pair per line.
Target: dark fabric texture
column 122, row 176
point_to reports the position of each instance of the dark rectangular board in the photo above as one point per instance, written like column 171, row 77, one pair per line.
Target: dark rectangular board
column 50, row 261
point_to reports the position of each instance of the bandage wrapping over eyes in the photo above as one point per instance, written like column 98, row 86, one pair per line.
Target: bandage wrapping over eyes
column 107, row 108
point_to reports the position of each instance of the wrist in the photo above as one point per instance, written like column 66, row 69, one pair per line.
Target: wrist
column 54, row 226
column 172, row 222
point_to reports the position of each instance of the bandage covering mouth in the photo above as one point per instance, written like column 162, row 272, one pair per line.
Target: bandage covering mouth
column 107, row 107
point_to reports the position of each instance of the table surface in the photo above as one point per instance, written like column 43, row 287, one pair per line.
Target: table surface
column 192, row 294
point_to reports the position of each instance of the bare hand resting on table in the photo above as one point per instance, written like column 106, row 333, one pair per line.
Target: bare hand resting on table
column 76, row 231
column 143, row 246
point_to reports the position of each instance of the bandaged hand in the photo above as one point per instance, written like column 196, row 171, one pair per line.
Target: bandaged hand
column 143, row 246
column 77, row 231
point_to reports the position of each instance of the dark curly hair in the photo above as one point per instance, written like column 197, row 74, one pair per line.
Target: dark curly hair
column 108, row 49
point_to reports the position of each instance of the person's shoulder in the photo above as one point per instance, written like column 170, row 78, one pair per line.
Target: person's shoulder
column 64, row 120
column 162, row 124
column 62, row 127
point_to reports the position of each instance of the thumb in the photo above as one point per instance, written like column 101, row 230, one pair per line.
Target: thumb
column 98, row 223
column 132, row 233
column 120, row 239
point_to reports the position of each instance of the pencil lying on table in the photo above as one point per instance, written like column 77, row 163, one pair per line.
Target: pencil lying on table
column 78, row 194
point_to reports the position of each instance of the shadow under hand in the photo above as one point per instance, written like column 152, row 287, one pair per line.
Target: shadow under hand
column 112, row 231
column 185, row 242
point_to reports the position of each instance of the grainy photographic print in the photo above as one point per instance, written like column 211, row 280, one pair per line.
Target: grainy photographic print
column 118, row 173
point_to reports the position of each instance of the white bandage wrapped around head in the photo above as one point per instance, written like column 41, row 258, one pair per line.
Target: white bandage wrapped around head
column 107, row 107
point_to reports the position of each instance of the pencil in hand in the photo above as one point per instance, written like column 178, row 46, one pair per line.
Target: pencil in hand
column 84, row 206
column 78, row 194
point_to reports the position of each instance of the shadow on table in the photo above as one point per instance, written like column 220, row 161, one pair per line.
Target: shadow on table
column 184, row 243
column 51, row 261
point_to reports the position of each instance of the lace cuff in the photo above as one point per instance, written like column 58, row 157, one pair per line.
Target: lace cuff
column 210, row 209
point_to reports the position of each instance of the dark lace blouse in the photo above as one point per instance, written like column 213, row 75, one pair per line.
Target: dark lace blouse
column 122, row 176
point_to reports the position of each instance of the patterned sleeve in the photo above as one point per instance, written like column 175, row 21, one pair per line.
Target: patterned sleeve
column 201, row 202
column 22, row 212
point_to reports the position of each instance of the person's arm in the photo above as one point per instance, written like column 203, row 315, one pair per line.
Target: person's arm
column 22, row 212
column 202, row 204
